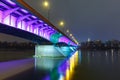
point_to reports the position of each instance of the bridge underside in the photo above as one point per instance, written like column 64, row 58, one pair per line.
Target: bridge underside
column 19, row 19
column 45, row 47
column 25, row 20
column 23, row 34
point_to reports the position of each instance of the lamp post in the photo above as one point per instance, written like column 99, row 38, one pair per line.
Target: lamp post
column 71, row 35
column 61, row 23
column 67, row 31
column 46, row 4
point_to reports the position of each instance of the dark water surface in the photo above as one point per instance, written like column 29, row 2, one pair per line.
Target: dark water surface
column 83, row 65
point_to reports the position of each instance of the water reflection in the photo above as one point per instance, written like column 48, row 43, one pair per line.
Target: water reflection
column 64, row 70
column 39, row 68
column 82, row 65
column 68, row 69
column 46, row 67
column 98, row 65
column 58, row 69
column 110, row 56
column 10, row 69
column 47, row 64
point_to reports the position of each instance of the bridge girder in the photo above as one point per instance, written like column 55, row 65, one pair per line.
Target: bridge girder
column 14, row 15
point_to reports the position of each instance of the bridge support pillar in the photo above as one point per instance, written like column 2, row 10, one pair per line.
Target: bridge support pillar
column 53, row 51
column 47, row 51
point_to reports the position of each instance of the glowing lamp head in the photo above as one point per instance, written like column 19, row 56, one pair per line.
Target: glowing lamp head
column 45, row 4
column 71, row 35
column 67, row 31
column 61, row 23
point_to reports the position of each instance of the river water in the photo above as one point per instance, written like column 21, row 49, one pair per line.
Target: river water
column 83, row 65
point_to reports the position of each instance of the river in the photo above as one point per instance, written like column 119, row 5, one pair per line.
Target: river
column 83, row 65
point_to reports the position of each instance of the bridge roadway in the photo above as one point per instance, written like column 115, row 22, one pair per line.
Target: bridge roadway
column 19, row 19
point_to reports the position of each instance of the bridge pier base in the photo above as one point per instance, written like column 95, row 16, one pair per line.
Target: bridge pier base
column 53, row 51
column 47, row 51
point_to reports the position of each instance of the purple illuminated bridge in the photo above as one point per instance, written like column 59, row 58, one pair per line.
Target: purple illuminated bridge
column 18, row 17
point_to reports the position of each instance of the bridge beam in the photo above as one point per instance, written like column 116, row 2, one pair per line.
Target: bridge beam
column 31, row 22
column 21, row 18
column 23, row 34
column 36, row 29
column 8, row 12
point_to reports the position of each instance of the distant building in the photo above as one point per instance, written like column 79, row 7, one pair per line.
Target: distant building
column 89, row 40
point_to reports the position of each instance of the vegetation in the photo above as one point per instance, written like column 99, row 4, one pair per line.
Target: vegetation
column 16, row 45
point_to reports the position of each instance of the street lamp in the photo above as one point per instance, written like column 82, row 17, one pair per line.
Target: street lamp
column 47, row 5
column 70, row 35
column 61, row 23
column 67, row 31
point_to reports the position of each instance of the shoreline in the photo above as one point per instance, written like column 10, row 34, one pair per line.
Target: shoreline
column 12, row 54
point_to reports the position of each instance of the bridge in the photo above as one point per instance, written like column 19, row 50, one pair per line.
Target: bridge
column 19, row 19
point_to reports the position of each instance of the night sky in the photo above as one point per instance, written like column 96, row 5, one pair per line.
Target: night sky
column 94, row 19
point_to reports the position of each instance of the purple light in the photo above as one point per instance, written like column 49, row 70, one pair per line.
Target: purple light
column 9, row 1
column 19, row 25
column 47, row 78
column 13, row 19
column 9, row 68
column 40, row 21
column 28, row 28
column 49, row 33
column 45, row 33
column 66, row 40
column 62, row 68
column 63, row 39
column 0, row 16
column 45, row 24
column 34, row 17
column 23, row 10
column 22, row 18
column 7, row 20
column 31, row 28
column 25, row 23
column 22, row 25
column 29, row 23
column 41, row 25
column 35, row 31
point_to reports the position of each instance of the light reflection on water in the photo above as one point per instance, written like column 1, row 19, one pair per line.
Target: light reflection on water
column 12, row 68
column 98, row 65
column 39, row 68
column 57, row 69
column 83, row 65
